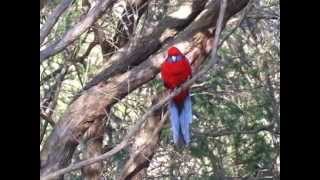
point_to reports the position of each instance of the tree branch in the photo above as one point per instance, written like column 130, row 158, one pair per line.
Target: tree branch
column 71, row 35
column 93, row 147
column 243, row 16
column 153, row 37
column 53, row 18
column 48, row 119
column 52, row 75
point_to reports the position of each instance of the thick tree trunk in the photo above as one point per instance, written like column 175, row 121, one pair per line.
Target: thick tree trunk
column 93, row 103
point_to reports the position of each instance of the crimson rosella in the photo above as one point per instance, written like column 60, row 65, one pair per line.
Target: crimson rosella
column 175, row 71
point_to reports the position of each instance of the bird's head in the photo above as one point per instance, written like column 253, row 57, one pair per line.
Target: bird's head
column 174, row 55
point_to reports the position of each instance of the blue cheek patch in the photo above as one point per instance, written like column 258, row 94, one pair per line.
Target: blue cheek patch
column 176, row 59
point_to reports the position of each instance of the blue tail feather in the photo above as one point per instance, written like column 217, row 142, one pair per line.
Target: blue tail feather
column 186, row 119
column 180, row 122
column 175, row 125
column 187, row 109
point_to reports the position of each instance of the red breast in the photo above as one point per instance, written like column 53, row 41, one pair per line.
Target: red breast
column 176, row 73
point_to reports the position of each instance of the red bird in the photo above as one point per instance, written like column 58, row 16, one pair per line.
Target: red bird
column 175, row 71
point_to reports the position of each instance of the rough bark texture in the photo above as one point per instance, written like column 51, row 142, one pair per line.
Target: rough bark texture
column 93, row 147
column 93, row 103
